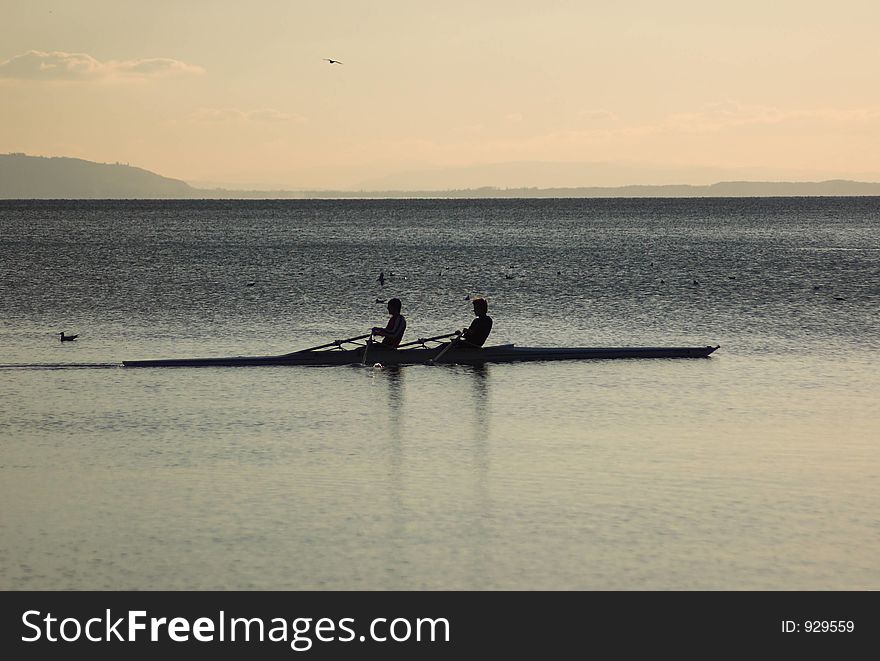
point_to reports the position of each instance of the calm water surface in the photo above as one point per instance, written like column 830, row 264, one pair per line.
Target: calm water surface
column 754, row 469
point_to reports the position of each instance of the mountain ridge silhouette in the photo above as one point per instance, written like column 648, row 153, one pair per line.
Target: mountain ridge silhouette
column 59, row 177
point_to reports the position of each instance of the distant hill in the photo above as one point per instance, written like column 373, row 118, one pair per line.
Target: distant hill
column 592, row 174
column 36, row 177
column 30, row 177
column 834, row 188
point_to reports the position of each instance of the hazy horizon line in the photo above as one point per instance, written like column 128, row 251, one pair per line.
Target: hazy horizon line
column 677, row 188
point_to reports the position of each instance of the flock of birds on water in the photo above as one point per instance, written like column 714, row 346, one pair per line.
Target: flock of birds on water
column 510, row 276
column 507, row 276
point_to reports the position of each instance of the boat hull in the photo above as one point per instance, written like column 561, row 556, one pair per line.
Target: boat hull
column 497, row 354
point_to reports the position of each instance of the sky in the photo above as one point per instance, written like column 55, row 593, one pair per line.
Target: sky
column 235, row 94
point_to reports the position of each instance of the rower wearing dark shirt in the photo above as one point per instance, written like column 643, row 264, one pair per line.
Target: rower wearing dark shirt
column 392, row 334
column 480, row 327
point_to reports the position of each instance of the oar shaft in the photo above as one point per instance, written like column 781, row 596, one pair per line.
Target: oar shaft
column 366, row 351
column 429, row 339
column 336, row 343
column 436, row 358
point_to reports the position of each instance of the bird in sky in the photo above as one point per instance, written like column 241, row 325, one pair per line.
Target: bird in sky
column 333, row 61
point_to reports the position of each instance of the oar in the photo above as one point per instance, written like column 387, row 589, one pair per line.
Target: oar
column 437, row 358
column 428, row 339
column 336, row 343
column 366, row 349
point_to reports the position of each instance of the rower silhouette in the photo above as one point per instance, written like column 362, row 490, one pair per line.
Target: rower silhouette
column 477, row 333
column 392, row 334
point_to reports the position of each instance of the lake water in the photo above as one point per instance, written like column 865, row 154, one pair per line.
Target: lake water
column 757, row 468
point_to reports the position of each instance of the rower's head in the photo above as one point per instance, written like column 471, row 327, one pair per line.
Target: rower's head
column 481, row 307
column 394, row 306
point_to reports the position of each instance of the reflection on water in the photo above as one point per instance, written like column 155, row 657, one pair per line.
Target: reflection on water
column 392, row 378
column 475, row 462
column 480, row 551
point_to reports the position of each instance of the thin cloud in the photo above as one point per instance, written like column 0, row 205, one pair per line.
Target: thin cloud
column 715, row 121
column 262, row 115
column 154, row 67
column 81, row 67
column 724, row 115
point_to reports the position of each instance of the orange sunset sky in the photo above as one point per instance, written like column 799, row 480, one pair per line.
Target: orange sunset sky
column 239, row 94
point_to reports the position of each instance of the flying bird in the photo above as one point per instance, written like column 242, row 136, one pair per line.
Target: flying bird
column 333, row 61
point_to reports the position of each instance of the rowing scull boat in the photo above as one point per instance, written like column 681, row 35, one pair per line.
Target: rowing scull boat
column 416, row 353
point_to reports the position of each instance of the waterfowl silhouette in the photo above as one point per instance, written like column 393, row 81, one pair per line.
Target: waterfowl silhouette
column 333, row 61
column 67, row 338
